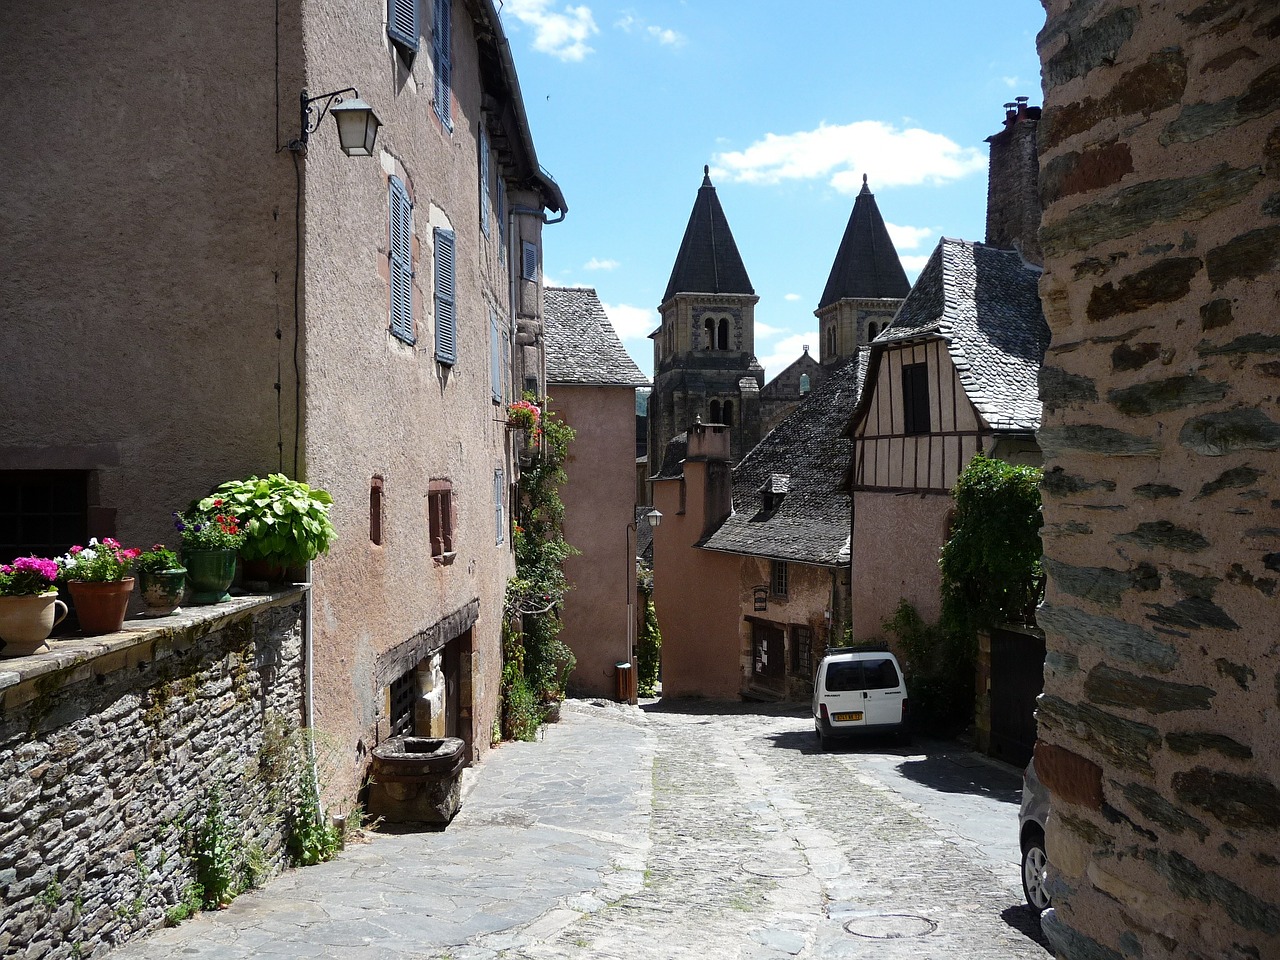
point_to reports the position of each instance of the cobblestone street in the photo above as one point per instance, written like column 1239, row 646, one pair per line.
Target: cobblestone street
column 736, row 838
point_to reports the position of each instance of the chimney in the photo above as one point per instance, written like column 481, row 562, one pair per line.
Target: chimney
column 1013, row 183
column 709, row 443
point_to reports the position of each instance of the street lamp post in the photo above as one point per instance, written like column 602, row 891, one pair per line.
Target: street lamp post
column 653, row 518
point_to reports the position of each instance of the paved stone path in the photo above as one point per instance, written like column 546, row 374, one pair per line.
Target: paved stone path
column 688, row 831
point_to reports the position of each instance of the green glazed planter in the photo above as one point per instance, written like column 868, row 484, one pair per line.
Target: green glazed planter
column 162, row 590
column 209, row 572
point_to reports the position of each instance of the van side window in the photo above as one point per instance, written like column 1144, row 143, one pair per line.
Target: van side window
column 880, row 674
column 844, row 675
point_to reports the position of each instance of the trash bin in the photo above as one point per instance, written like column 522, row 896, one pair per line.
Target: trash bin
column 622, row 674
column 417, row 780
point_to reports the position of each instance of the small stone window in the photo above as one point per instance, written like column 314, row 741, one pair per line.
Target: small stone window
column 440, row 519
column 714, row 412
column 728, row 413
column 375, row 511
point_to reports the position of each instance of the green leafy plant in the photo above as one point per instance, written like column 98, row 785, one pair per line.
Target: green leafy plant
column 217, row 851
column 157, row 560
column 991, row 571
column 938, row 664
column 187, row 907
column 649, row 649
column 285, row 521
column 312, row 838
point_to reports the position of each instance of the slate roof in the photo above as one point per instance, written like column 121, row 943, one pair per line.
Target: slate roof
column 804, row 460
column 866, row 265
column 708, row 261
column 985, row 304
column 582, row 346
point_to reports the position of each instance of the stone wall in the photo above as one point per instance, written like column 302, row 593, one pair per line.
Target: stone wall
column 109, row 750
column 1160, row 154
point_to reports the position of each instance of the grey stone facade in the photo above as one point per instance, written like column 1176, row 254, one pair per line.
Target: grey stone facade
column 1160, row 152
column 109, row 752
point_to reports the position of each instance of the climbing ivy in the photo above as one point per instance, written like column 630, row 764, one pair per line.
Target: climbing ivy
column 536, row 663
column 649, row 645
column 991, row 571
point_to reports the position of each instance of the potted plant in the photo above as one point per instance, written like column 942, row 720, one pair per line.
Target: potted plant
column 97, row 576
column 211, row 535
column 525, row 418
column 161, row 580
column 286, row 523
column 28, row 604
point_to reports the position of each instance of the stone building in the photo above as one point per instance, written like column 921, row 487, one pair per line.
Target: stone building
column 1160, row 166
column 704, row 364
column 591, row 385
column 751, row 564
column 231, row 295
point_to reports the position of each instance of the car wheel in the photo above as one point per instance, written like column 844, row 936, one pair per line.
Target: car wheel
column 823, row 741
column 1034, row 863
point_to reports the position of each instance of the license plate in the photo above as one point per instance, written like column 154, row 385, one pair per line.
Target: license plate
column 847, row 717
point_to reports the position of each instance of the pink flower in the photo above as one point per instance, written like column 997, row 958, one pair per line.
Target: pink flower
column 76, row 549
column 108, row 542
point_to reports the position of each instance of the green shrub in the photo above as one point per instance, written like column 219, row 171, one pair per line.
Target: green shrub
column 939, row 668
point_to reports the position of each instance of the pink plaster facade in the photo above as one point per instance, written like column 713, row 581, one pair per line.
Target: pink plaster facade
column 599, row 502
column 700, row 620
column 152, row 292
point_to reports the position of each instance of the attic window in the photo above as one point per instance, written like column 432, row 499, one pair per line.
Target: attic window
column 777, row 486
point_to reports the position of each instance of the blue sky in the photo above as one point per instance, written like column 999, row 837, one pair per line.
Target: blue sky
column 790, row 104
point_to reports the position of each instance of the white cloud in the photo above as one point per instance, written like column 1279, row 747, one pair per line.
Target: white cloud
column 629, row 23
column 842, row 153
column 563, row 35
column 908, row 238
column 1011, row 82
column 785, row 352
column 595, row 263
column 914, row 264
column 791, row 296
column 632, row 323
column 765, row 330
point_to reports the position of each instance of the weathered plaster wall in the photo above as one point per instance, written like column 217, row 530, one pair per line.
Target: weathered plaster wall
column 377, row 406
column 599, row 503
column 1160, row 151
column 109, row 749
column 700, row 619
column 148, row 251
column 896, row 541
column 808, row 601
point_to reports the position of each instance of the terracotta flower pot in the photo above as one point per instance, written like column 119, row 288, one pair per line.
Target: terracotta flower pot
column 26, row 622
column 162, row 590
column 210, row 572
column 100, row 605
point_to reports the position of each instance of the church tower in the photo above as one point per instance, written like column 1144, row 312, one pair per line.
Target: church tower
column 866, row 286
column 704, row 353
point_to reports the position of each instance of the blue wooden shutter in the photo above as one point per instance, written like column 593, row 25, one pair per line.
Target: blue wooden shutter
column 495, row 357
column 499, row 518
column 402, row 24
column 441, row 41
column 501, row 214
column 446, row 304
column 401, row 210
column 484, row 182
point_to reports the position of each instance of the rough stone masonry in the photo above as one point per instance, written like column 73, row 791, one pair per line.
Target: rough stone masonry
column 1160, row 152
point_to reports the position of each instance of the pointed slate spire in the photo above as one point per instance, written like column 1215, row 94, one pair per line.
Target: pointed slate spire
column 708, row 261
column 866, row 265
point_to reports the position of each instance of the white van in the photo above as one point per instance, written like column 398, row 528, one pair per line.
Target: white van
column 859, row 690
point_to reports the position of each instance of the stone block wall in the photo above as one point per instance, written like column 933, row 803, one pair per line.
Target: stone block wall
column 1160, row 159
column 109, row 750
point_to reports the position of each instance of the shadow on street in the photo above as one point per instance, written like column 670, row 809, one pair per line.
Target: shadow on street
column 1027, row 922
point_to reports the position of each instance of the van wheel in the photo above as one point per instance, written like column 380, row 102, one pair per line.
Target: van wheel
column 823, row 742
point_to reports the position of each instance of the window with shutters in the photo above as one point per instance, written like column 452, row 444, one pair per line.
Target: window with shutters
column 529, row 261
column 401, row 253
column 445, row 298
column 440, row 519
column 403, row 28
column 501, row 213
column 499, row 506
column 915, row 398
column 441, row 44
column 485, row 197
column 497, row 354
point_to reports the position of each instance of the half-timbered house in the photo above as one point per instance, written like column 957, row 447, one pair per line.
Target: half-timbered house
column 955, row 373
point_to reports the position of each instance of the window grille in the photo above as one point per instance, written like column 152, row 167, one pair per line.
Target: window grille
column 401, row 695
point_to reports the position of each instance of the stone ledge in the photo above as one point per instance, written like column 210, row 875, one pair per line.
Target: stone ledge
column 141, row 641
